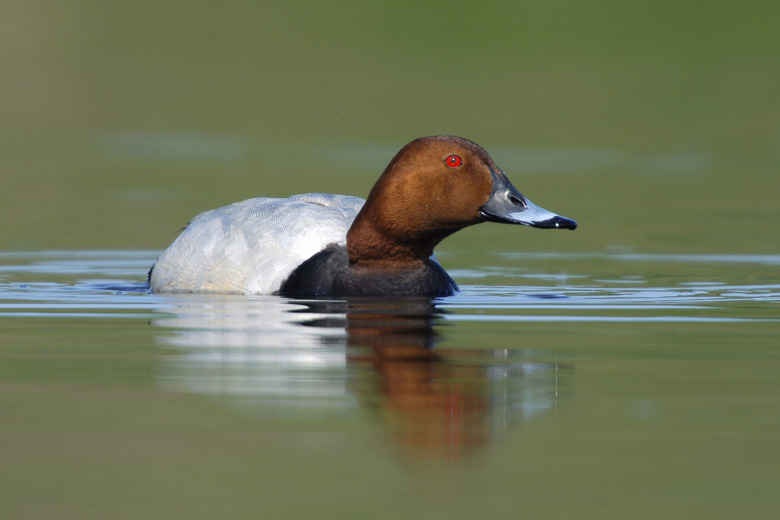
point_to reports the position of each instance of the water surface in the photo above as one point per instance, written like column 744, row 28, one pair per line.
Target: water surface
column 647, row 389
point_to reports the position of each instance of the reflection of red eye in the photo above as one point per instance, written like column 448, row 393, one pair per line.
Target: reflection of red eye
column 453, row 161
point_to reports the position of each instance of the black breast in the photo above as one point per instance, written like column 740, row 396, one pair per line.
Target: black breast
column 328, row 273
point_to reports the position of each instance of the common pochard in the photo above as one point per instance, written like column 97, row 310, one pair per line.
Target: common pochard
column 336, row 245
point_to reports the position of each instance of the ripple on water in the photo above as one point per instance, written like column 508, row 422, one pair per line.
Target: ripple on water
column 81, row 284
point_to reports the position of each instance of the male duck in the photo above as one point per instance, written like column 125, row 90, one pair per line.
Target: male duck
column 336, row 245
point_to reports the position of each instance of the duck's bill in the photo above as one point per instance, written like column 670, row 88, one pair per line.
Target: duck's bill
column 508, row 205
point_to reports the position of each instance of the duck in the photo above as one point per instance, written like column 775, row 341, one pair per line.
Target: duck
column 324, row 245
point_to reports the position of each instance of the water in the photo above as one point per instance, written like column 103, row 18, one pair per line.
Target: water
column 631, row 395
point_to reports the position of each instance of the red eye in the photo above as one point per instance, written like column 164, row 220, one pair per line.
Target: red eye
column 453, row 161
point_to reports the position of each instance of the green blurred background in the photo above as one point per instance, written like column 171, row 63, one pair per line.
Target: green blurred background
column 655, row 124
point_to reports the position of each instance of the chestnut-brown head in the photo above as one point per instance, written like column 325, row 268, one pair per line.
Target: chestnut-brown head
column 433, row 187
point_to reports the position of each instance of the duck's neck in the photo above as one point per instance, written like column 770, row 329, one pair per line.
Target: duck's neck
column 369, row 246
column 374, row 241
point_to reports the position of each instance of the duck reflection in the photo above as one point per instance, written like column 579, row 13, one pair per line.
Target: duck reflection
column 303, row 359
